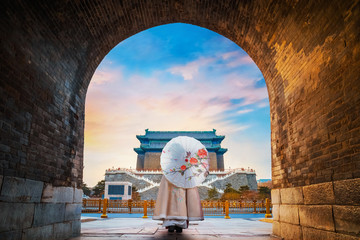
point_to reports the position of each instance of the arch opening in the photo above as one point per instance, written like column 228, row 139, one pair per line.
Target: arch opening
column 198, row 82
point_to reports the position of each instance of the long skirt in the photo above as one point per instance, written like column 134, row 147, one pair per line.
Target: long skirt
column 175, row 206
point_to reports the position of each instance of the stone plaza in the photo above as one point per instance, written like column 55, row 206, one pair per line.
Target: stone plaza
column 209, row 229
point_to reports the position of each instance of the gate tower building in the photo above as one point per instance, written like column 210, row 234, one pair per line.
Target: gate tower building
column 152, row 143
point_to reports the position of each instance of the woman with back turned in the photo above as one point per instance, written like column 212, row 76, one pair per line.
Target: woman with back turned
column 184, row 162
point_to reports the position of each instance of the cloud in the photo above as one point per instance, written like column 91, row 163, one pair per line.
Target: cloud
column 263, row 104
column 236, row 59
column 244, row 111
column 191, row 69
column 105, row 75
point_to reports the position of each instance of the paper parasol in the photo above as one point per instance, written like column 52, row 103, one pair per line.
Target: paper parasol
column 185, row 162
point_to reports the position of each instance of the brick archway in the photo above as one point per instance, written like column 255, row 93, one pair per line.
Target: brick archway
column 308, row 53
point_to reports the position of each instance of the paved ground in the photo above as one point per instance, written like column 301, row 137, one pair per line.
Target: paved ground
column 139, row 228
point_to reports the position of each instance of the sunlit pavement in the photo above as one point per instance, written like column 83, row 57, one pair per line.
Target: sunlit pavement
column 139, row 228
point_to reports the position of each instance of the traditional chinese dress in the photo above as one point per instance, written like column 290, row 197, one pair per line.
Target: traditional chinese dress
column 176, row 206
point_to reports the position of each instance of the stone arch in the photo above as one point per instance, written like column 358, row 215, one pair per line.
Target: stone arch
column 308, row 53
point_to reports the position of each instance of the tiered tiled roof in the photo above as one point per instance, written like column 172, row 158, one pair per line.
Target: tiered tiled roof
column 156, row 140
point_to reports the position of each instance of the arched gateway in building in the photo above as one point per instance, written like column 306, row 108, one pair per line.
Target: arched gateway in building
column 308, row 52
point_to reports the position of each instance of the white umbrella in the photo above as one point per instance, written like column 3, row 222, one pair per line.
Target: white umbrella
column 185, row 162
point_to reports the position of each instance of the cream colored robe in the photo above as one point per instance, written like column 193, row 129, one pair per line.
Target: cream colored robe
column 174, row 203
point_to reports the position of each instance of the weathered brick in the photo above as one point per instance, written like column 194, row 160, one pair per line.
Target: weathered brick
column 16, row 216
column 78, row 193
column 289, row 214
column 1, row 180
column 347, row 219
column 317, row 217
column 319, row 194
column 276, row 212
column 4, row 148
column 290, row 231
column 21, row 190
column 57, row 194
column 312, row 233
column 48, row 213
column 11, row 235
column 72, row 212
column 62, row 230
column 276, row 228
column 275, row 196
column 39, row 233
column 76, row 228
column 292, row 196
column 347, row 192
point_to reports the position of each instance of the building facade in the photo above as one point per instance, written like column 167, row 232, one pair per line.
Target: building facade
column 115, row 190
column 152, row 143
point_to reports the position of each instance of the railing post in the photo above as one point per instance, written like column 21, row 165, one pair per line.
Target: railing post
column 254, row 206
column 129, row 205
column 145, row 209
column 105, row 203
column 227, row 210
column 268, row 214
column 99, row 205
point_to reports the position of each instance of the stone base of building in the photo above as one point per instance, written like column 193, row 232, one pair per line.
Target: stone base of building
column 36, row 210
column 147, row 182
column 320, row 211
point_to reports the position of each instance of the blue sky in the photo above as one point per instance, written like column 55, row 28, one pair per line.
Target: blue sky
column 176, row 77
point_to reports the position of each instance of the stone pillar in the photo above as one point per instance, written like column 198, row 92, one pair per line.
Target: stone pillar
column 319, row 211
column 36, row 210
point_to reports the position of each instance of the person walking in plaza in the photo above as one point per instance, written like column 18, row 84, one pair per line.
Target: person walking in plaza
column 185, row 164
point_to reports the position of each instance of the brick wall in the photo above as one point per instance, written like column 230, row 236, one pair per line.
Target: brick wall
column 31, row 209
column 320, row 211
column 308, row 52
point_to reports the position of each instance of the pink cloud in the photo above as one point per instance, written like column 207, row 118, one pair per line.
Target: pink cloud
column 191, row 69
column 244, row 111
column 102, row 76
column 235, row 59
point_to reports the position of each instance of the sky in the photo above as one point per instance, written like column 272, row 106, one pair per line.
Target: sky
column 176, row 77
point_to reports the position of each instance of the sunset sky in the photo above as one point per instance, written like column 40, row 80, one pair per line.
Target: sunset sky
column 176, row 77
